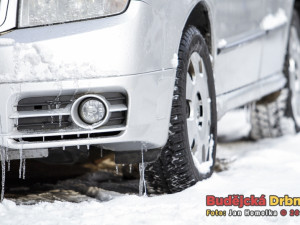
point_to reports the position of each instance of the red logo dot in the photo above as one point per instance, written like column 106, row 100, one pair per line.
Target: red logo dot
column 283, row 212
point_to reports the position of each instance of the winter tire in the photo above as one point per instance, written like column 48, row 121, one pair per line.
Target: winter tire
column 189, row 155
column 279, row 113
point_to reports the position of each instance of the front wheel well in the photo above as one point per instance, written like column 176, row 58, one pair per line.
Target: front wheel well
column 199, row 18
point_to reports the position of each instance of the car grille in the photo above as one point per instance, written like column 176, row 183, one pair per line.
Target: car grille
column 45, row 118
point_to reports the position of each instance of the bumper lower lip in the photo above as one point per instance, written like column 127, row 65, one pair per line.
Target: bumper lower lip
column 149, row 106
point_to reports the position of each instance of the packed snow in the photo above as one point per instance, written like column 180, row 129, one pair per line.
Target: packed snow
column 272, row 21
column 222, row 43
column 269, row 167
column 174, row 61
column 35, row 63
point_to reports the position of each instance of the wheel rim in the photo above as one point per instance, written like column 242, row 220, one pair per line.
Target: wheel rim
column 199, row 114
column 294, row 73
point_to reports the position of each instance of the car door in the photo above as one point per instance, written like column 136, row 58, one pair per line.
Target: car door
column 275, row 23
column 239, row 42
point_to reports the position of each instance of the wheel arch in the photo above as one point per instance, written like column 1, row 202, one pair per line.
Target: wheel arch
column 297, row 6
column 201, row 17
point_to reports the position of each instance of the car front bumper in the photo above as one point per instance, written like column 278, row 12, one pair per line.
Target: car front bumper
column 121, row 54
column 148, row 97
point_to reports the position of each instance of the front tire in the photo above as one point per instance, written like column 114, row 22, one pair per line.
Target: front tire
column 189, row 155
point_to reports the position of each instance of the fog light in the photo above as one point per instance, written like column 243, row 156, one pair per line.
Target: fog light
column 92, row 111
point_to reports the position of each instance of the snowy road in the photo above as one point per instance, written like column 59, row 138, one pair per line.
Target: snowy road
column 269, row 167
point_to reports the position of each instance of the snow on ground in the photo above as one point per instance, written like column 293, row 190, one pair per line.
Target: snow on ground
column 270, row 167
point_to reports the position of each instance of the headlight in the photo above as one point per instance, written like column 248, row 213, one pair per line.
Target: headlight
column 43, row 12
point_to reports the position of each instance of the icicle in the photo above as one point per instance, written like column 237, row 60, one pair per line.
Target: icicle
column 6, row 154
column 78, row 135
column 57, row 106
column 59, row 120
column 130, row 168
column 78, row 147
column 101, row 153
column 7, row 159
column 8, row 165
column 3, row 155
column 52, row 118
column 24, row 166
column 142, row 183
column 117, row 169
column 64, row 148
column 88, row 146
column 43, row 138
column 3, row 172
column 21, row 157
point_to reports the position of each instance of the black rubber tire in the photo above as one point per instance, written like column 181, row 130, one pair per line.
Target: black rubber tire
column 272, row 116
column 268, row 118
column 289, row 111
column 175, row 171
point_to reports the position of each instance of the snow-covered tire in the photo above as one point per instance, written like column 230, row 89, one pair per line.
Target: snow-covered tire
column 189, row 155
column 279, row 113
column 268, row 117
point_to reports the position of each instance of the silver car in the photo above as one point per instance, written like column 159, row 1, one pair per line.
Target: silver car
column 147, row 79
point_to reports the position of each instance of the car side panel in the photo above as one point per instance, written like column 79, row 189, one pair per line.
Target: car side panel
column 276, row 23
column 239, row 41
column 173, row 16
column 232, row 21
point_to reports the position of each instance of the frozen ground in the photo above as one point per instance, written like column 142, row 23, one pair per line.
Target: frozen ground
column 270, row 167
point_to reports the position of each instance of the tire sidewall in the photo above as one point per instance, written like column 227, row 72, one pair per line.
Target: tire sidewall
column 197, row 44
column 289, row 111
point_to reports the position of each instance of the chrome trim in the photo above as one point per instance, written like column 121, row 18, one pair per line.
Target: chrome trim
column 250, row 38
column 249, row 93
column 241, row 42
